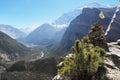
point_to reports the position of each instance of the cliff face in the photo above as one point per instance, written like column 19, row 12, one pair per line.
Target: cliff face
column 80, row 26
column 112, row 61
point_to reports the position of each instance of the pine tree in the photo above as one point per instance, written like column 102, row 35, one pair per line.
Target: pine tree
column 84, row 62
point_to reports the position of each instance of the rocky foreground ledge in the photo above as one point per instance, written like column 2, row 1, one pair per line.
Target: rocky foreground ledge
column 46, row 69
column 113, row 61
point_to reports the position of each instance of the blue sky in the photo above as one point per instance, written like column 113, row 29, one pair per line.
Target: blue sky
column 28, row 13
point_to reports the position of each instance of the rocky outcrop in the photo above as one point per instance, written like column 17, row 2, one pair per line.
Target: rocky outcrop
column 113, row 62
column 112, row 67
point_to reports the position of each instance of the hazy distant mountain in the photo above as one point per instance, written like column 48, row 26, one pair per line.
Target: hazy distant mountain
column 59, row 34
column 80, row 26
column 11, row 31
column 10, row 48
column 46, row 34
column 66, row 18
column 42, row 34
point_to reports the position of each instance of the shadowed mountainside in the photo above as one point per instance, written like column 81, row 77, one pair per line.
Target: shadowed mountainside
column 80, row 26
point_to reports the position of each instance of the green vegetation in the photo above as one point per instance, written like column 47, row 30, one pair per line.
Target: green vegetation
column 83, row 62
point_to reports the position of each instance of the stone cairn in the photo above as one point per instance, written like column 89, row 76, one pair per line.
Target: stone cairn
column 97, row 37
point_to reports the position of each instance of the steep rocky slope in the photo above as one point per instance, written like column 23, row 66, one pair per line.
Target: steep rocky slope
column 113, row 62
column 80, row 26
column 10, row 48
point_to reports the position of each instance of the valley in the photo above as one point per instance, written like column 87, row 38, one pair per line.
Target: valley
column 76, row 40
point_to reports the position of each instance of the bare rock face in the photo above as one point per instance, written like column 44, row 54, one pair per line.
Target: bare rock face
column 113, row 61
column 112, row 67
column 97, row 37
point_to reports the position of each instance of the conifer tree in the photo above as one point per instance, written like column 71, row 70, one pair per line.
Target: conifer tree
column 84, row 62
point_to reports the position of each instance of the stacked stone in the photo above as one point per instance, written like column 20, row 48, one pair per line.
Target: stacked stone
column 97, row 37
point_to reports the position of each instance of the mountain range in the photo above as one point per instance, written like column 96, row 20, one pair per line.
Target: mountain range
column 66, row 18
column 61, row 22
column 59, row 40
column 80, row 27
column 11, row 31
column 78, row 22
column 45, row 34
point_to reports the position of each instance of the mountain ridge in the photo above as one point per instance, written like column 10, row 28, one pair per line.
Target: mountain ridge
column 12, row 31
column 10, row 47
column 45, row 34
